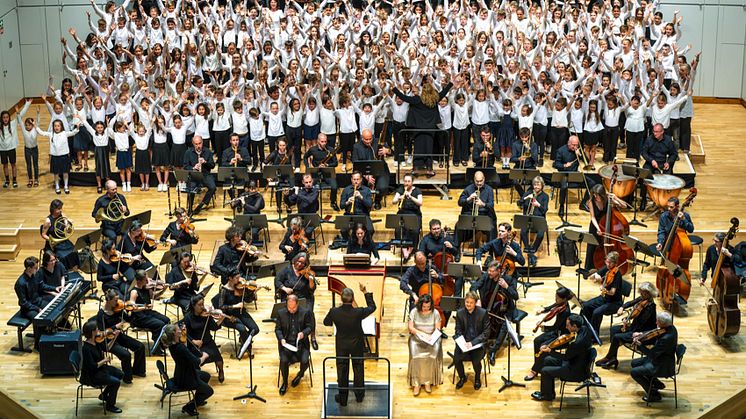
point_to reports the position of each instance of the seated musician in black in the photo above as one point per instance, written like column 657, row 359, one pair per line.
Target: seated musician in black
column 292, row 281
column 95, row 372
column 643, row 312
column 295, row 240
column 143, row 316
column 667, row 219
column 234, row 156
column 200, row 325
column 280, row 157
column 134, row 243
column 525, row 155
column 200, row 159
column 227, row 258
column 571, row 365
column 250, row 202
column 27, row 290
column 232, row 301
column 110, row 229
column 362, row 243
column 659, row 361
column 418, row 275
column 306, row 198
column 113, row 275
column 293, row 326
column 497, row 247
column 713, row 254
column 561, row 309
column 52, row 277
column 437, row 241
column 483, row 153
column 357, row 199
column 610, row 299
column 409, row 199
column 322, row 156
column 51, row 230
column 175, row 234
column 473, row 324
column 481, row 196
column 109, row 318
column 184, row 281
column 567, row 160
column 659, row 151
column 502, row 303
column 535, row 203
column 364, row 151
column 187, row 374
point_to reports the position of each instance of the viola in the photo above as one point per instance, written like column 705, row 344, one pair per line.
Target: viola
column 188, row 227
column 244, row 285
column 613, row 228
column 609, row 279
column 148, row 239
column 310, row 275
column 723, row 315
column 646, row 336
column 193, row 268
column 636, row 310
column 678, row 250
column 561, row 340
column 252, row 250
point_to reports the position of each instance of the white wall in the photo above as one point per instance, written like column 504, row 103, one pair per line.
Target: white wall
column 715, row 27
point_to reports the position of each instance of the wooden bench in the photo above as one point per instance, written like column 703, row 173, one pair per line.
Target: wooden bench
column 20, row 323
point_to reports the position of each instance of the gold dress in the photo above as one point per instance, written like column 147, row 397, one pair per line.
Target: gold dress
column 425, row 360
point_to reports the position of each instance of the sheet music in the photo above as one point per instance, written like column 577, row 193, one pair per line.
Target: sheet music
column 461, row 342
column 290, row 347
column 368, row 324
column 433, row 338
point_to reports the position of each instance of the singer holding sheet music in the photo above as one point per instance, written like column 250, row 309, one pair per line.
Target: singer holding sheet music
column 425, row 356
column 472, row 326
column 292, row 328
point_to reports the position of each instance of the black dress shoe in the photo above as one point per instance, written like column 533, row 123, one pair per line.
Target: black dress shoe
column 202, row 403
column 658, row 385
column 314, row 344
column 189, row 411
column 360, row 399
column 335, row 207
column 654, row 396
column 584, row 207
column 113, row 409
column 296, row 380
column 127, row 380
column 198, row 209
column 529, row 377
column 460, row 383
column 284, row 388
column 492, row 357
column 477, row 384
column 338, row 399
column 536, row 395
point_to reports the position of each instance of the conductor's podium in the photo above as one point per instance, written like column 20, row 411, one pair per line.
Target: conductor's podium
column 378, row 401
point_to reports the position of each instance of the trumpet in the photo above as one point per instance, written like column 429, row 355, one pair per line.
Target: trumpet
column 61, row 230
column 113, row 213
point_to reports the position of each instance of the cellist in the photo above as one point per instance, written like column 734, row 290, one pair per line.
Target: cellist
column 599, row 201
column 560, row 310
column 502, row 244
column 610, row 299
column 438, row 241
column 668, row 219
column 503, row 304
column 418, row 275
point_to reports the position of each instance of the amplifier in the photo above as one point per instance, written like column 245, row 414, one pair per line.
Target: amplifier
column 55, row 350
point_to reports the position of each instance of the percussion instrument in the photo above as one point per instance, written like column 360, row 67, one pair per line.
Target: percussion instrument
column 625, row 185
column 663, row 187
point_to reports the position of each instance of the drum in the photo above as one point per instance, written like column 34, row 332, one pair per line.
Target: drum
column 663, row 187
column 625, row 185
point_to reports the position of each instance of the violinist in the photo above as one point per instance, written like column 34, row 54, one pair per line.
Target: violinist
column 483, row 154
column 135, row 243
column 570, row 365
column 473, row 324
column 409, row 200
column 200, row 159
column 184, row 281
column 713, row 254
column 293, row 326
column 187, row 373
column 231, row 300
column 110, row 229
column 94, row 370
column 180, row 232
column 599, row 202
column 418, row 275
column 110, row 321
column 200, row 321
column 640, row 319
column 362, row 243
column 659, row 361
column 667, row 220
column 295, row 240
column 503, row 243
column 503, row 303
column 299, row 280
column 560, row 311
column 113, row 275
column 480, row 197
column 525, row 155
column 365, row 151
column 534, row 203
column 64, row 249
column 610, row 299
column 228, row 256
column 142, row 314
column 322, row 156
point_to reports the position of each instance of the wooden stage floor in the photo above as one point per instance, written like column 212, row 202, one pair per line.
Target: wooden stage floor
column 708, row 376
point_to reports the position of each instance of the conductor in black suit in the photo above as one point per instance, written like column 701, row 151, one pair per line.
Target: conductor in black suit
column 473, row 324
column 571, row 365
column 187, row 374
column 659, row 360
column 293, row 326
column 350, row 341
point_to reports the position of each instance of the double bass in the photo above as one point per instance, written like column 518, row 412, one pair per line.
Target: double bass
column 435, row 291
column 723, row 314
column 441, row 260
column 678, row 250
column 613, row 229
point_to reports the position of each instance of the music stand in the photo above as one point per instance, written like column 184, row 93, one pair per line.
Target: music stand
column 474, row 223
column 87, row 240
column 283, row 176
column 507, row 382
column 143, row 218
column 269, row 269
column 565, row 178
column 464, row 270
column 579, row 237
column 234, row 176
column 188, row 177
column 522, row 177
column 252, row 388
column 402, row 222
column 530, row 223
column 172, row 254
column 320, row 175
column 636, row 246
column 640, row 174
column 247, row 222
column 370, row 167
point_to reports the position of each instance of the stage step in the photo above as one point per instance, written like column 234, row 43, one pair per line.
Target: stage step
column 697, row 153
column 9, row 243
column 8, row 252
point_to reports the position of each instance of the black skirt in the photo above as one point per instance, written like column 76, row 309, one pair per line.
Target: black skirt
column 177, row 154
column 142, row 162
column 101, row 158
column 60, row 164
column 124, row 159
column 161, row 155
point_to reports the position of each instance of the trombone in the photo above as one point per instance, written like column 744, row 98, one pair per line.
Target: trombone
column 487, row 150
column 475, row 206
column 113, row 213
column 61, row 230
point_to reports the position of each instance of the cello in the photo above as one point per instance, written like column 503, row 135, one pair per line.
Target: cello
column 678, row 250
column 441, row 261
column 613, row 228
column 723, row 314
column 435, row 291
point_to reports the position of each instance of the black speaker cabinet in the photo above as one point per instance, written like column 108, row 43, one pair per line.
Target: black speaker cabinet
column 55, row 350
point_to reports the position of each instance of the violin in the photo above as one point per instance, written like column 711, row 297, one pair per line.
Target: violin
column 252, row 250
column 561, row 340
column 111, row 332
column 188, row 228
column 149, row 240
column 299, row 237
column 678, row 250
column 636, row 310
column 309, row 274
column 651, row 334
column 609, row 279
column 557, row 309
column 244, row 285
column 217, row 314
column 121, row 257
column 127, row 306
column 613, row 227
column 193, row 268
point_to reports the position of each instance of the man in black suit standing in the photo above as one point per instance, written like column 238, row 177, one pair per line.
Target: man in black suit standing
column 473, row 324
column 571, row 365
column 350, row 341
column 659, row 360
column 187, row 373
column 200, row 159
column 293, row 326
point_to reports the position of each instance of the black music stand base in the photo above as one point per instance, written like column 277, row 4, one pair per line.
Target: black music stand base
column 507, row 382
column 252, row 388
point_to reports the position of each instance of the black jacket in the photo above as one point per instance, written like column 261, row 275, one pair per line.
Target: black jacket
column 420, row 115
column 228, row 154
column 485, row 286
column 347, row 319
column 287, row 326
column 481, row 324
column 645, row 320
column 187, row 366
column 287, row 278
column 663, row 353
column 191, row 159
column 576, row 353
column 27, row 291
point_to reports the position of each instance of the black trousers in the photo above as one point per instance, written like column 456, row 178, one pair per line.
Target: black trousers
column 402, row 143
column 531, row 248
column 475, row 356
column 244, row 325
column 121, row 349
column 542, row 339
column 222, row 142
column 685, row 134
column 423, row 150
column 202, row 391
column 643, row 371
column 555, row 368
column 540, row 133
column 209, row 183
column 443, row 145
column 111, row 377
column 32, row 161
column 634, row 143
column 346, row 141
column 150, row 320
column 288, row 358
column 257, row 152
column 557, row 138
column 618, row 338
column 596, row 308
column 461, row 150
column 611, row 140
column 343, row 373
column 294, row 138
